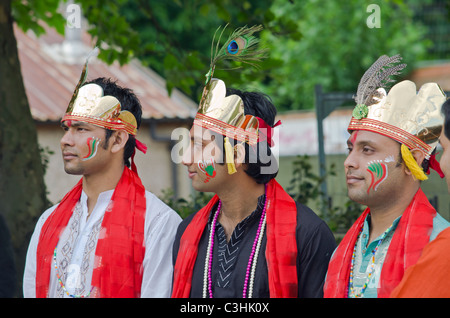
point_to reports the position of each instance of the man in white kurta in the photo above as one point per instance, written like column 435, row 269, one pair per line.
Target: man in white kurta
column 108, row 237
column 75, row 252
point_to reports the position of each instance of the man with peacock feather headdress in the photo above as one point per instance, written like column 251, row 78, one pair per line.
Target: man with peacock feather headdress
column 252, row 239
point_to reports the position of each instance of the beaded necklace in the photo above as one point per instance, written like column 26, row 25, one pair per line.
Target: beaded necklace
column 372, row 265
column 251, row 266
column 62, row 284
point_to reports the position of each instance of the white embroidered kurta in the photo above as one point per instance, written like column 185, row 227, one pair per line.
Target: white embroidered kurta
column 75, row 251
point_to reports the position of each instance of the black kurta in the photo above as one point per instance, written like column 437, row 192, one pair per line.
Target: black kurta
column 315, row 243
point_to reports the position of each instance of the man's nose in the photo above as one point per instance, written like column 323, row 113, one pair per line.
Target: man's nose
column 351, row 161
column 66, row 139
column 187, row 159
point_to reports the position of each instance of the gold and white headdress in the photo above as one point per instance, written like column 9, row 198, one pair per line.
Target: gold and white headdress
column 225, row 114
column 412, row 118
column 88, row 104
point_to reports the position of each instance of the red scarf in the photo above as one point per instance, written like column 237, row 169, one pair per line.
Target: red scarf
column 410, row 237
column 281, row 251
column 120, row 247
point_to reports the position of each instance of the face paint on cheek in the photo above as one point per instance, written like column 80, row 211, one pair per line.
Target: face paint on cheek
column 379, row 172
column 92, row 143
column 208, row 168
column 389, row 159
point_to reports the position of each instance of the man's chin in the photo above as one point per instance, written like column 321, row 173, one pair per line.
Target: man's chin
column 74, row 171
column 201, row 187
column 357, row 196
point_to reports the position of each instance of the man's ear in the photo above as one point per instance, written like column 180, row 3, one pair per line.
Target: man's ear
column 119, row 139
column 419, row 156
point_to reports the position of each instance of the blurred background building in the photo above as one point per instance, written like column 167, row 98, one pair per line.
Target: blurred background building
column 51, row 66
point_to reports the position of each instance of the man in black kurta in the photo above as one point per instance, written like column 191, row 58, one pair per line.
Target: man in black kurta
column 315, row 244
column 251, row 239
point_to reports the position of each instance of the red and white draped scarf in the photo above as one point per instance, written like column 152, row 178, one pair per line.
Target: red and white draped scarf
column 410, row 237
column 281, row 250
column 120, row 248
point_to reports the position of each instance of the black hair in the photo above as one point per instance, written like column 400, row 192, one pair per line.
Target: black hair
column 128, row 101
column 446, row 112
column 260, row 105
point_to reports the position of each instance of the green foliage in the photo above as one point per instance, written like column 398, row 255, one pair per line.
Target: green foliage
column 310, row 42
column 176, row 36
column 305, row 186
column 185, row 207
column 29, row 15
column 337, row 46
column 110, row 30
column 45, row 152
column 341, row 218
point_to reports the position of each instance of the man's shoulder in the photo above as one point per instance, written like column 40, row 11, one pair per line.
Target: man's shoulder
column 153, row 199
column 156, row 205
column 305, row 215
column 47, row 212
column 311, row 227
column 187, row 220
column 43, row 217
column 184, row 223
column 439, row 224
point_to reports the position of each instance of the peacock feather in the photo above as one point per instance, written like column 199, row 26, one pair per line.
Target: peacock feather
column 241, row 46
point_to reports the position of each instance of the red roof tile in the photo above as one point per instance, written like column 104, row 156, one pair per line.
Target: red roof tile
column 49, row 81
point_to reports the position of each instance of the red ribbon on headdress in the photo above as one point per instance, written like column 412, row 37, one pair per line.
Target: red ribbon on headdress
column 268, row 129
column 435, row 165
column 141, row 147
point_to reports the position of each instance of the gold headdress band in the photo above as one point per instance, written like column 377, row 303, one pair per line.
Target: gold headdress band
column 412, row 118
column 225, row 114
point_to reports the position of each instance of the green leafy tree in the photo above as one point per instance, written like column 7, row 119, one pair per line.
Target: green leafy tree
column 176, row 36
column 22, row 188
column 337, row 46
column 310, row 42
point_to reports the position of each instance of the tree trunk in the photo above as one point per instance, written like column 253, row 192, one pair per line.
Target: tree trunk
column 22, row 187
